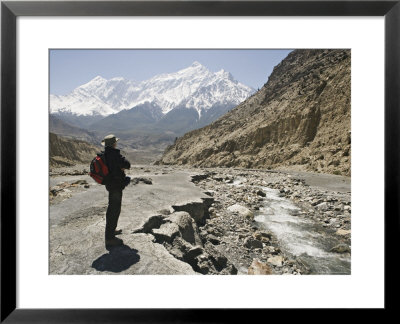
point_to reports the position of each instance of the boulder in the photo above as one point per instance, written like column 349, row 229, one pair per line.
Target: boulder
column 276, row 260
column 259, row 268
column 343, row 232
column 166, row 233
column 213, row 239
column 341, row 248
column 185, row 224
column 261, row 193
column 252, row 243
column 195, row 209
column 241, row 210
column 323, row 206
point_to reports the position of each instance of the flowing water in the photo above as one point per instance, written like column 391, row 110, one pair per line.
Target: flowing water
column 299, row 237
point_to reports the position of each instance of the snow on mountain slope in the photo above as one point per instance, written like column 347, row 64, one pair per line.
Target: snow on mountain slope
column 193, row 87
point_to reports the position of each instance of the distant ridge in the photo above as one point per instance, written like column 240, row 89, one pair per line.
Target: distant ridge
column 60, row 127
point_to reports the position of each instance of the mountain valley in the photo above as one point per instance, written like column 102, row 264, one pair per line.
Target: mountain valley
column 147, row 115
column 224, row 180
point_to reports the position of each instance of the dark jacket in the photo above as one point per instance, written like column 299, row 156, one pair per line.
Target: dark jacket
column 115, row 162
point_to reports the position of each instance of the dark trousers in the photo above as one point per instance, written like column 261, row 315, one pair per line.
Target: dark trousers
column 113, row 211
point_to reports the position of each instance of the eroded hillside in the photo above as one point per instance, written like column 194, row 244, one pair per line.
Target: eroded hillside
column 64, row 151
column 299, row 120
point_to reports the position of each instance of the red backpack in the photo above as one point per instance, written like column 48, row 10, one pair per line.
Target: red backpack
column 99, row 169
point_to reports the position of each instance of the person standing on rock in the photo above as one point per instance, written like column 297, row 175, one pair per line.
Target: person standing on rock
column 116, row 182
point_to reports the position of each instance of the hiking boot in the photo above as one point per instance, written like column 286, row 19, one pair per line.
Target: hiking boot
column 117, row 232
column 114, row 242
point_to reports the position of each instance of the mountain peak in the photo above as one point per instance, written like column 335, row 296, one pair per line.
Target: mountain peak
column 93, row 83
column 226, row 75
column 98, row 78
column 196, row 64
column 198, row 67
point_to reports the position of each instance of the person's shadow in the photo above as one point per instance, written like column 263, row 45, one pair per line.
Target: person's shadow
column 118, row 259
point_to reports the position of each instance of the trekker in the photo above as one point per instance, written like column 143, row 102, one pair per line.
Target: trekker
column 116, row 182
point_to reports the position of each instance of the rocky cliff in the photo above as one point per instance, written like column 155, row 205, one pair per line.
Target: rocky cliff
column 300, row 119
column 65, row 152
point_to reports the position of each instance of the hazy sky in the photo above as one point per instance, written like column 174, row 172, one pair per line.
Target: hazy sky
column 72, row 68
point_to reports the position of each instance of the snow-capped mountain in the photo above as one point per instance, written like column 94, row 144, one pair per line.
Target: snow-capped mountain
column 194, row 87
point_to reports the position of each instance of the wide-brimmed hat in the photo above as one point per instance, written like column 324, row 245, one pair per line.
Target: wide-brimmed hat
column 109, row 140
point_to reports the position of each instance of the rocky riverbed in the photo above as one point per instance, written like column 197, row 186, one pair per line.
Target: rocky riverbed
column 279, row 220
column 178, row 220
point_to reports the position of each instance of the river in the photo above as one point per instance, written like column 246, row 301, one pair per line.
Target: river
column 300, row 237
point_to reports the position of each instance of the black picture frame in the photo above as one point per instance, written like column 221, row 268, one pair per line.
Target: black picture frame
column 10, row 10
